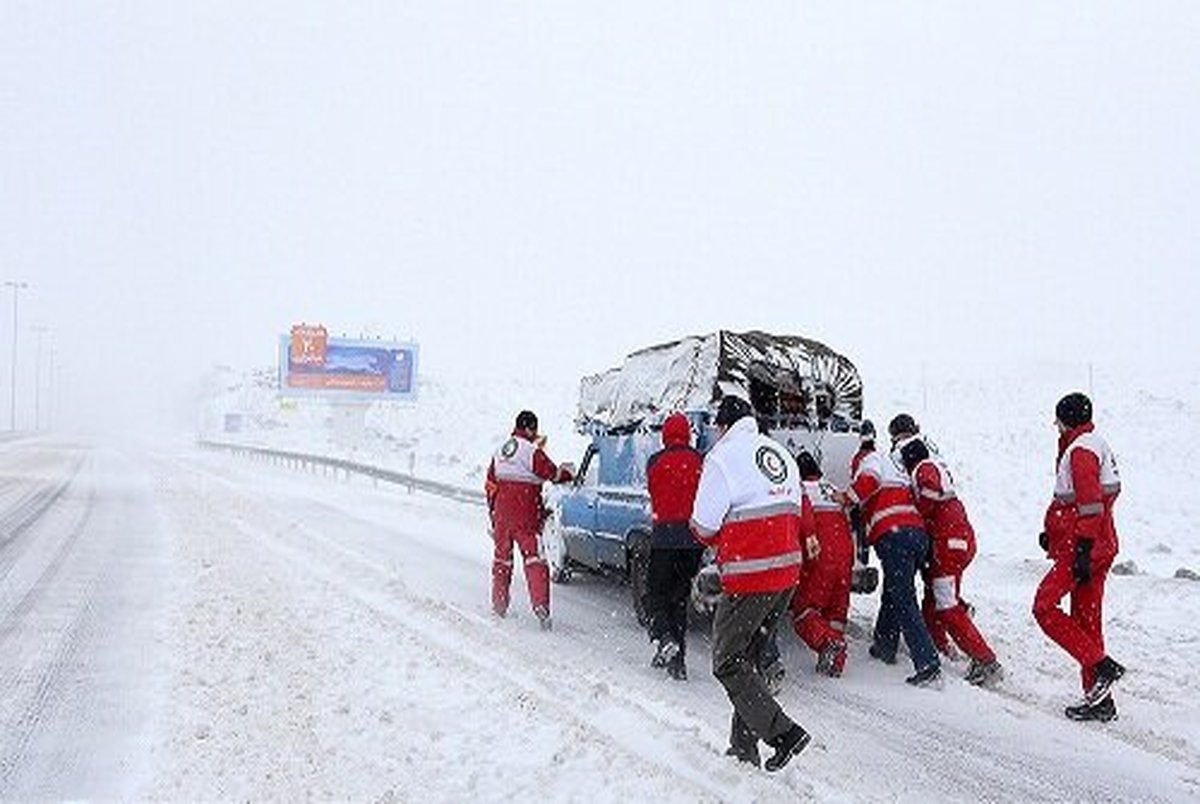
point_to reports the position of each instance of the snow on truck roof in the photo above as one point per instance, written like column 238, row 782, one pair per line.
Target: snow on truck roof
column 794, row 380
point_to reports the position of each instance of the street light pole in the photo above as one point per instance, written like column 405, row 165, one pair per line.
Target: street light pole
column 39, row 330
column 12, row 411
column 52, row 412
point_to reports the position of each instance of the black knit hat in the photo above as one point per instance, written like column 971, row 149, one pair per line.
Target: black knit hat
column 808, row 466
column 1074, row 410
column 527, row 420
column 731, row 409
column 903, row 424
column 866, row 431
column 913, row 452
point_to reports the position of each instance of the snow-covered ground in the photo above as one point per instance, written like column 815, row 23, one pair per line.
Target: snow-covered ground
column 180, row 625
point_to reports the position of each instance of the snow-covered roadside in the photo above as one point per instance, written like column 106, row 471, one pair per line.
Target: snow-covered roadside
column 314, row 669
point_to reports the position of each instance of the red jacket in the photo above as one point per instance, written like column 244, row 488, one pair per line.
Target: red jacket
column 945, row 516
column 1086, row 487
column 672, row 475
column 882, row 490
column 831, row 543
column 514, row 483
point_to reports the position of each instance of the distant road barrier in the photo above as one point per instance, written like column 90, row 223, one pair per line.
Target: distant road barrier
column 314, row 462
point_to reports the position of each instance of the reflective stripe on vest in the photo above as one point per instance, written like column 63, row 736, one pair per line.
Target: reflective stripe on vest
column 891, row 510
column 751, row 565
column 763, row 512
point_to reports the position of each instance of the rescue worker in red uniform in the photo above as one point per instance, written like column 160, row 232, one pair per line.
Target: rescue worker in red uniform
column 751, row 508
column 514, row 493
column 880, row 488
column 1081, row 539
column 952, row 548
column 822, row 598
column 672, row 475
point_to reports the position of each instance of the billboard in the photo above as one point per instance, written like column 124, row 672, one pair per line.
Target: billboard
column 313, row 364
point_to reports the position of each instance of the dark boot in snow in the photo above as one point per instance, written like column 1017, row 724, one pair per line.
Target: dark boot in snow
column 543, row 615
column 984, row 674
column 1104, row 711
column 926, row 676
column 1107, row 672
column 786, row 746
column 877, row 653
column 747, row 755
column 742, row 743
column 676, row 668
column 666, row 650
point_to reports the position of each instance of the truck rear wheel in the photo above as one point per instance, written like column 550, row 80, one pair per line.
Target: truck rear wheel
column 638, row 561
column 554, row 549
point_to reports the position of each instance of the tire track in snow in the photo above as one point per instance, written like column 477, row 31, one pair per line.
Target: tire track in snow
column 488, row 656
column 46, row 638
column 980, row 770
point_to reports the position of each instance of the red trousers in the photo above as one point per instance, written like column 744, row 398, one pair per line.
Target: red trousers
column 1079, row 633
column 537, row 574
column 820, row 605
column 946, row 617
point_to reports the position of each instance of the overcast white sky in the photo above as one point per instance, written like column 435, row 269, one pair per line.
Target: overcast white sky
column 541, row 188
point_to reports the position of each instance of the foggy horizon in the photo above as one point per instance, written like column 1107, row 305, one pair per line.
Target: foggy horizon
column 538, row 191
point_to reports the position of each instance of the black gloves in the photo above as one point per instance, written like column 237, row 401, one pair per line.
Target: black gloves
column 1082, row 568
column 1044, row 541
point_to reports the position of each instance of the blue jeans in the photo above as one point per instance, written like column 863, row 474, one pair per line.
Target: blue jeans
column 901, row 553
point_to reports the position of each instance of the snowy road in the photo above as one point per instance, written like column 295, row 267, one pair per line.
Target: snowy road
column 183, row 626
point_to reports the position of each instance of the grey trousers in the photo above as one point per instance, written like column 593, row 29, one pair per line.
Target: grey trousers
column 741, row 629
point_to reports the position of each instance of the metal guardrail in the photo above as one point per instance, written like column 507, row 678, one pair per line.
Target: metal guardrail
column 411, row 482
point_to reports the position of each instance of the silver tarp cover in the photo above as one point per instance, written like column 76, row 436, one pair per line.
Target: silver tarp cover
column 792, row 380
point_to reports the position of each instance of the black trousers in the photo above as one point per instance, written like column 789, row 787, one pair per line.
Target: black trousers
column 668, row 587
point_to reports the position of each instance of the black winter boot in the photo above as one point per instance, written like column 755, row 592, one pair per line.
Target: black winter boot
column 677, row 668
column 786, row 746
column 1107, row 672
column 1104, row 711
column 747, row 755
column 926, row 676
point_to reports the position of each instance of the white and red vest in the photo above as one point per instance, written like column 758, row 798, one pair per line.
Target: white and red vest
column 1086, row 486
column 945, row 516
column 883, row 491
column 751, row 506
column 515, row 479
column 832, row 540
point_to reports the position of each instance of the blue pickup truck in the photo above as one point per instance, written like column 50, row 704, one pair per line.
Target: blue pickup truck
column 804, row 395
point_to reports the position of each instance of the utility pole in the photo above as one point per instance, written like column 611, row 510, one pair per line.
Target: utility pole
column 52, row 412
column 40, row 331
column 12, row 411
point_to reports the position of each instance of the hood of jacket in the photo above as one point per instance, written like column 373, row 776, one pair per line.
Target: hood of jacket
column 676, row 431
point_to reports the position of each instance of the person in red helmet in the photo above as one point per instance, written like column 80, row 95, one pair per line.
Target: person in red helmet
column 1080, row 537
column 514, row 494
column 951, row 550
column 822, row 598
column 672, row 475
